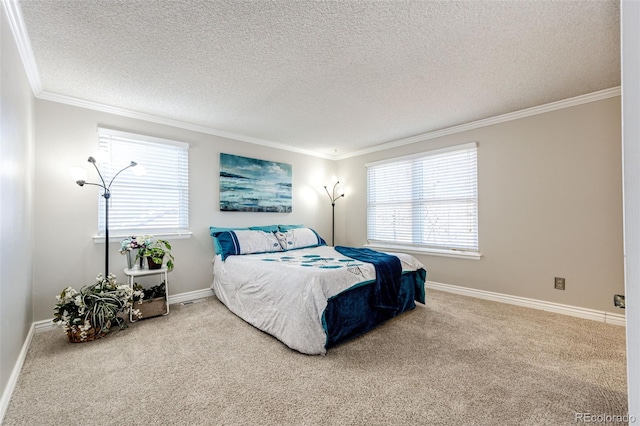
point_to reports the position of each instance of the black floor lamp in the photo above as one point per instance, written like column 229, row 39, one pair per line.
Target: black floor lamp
column 333, row 199
column 80, row 176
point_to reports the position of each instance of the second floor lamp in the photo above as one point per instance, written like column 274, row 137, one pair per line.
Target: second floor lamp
column 333, row 197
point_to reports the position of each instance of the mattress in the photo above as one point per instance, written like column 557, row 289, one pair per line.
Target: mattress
column 312, row 298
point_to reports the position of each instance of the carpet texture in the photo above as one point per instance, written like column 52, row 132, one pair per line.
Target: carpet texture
column 454, row 361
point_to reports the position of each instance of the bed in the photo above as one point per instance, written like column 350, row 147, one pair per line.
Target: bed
column 310, row 296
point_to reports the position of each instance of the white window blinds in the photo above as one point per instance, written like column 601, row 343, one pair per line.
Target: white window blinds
column 425, row 201
column 154, row 203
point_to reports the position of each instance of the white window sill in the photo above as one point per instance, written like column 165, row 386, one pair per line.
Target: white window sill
column 99, row 239
column 457, row 254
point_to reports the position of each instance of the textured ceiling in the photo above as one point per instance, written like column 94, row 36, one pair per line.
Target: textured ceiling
column 330, row 77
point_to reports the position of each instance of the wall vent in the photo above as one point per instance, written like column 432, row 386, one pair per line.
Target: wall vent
column 191, row 302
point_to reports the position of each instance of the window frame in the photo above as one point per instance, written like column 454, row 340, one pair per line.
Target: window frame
column 416, row 247
column 182, row 230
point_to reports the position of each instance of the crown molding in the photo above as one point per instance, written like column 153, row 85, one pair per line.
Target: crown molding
column 96, row 106
column 16, row 23
column 528, row 112
column 23, row 43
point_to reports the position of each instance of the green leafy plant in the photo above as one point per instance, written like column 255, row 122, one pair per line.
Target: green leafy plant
column 94, row 310
column 148, row 246
column 156, row 250
column 154, row 292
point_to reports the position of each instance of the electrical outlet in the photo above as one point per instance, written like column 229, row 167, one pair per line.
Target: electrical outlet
column 559, row 283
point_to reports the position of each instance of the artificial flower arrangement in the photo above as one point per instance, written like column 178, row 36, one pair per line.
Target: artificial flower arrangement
column 150, row 302
column 150, row 247
column 133, row 243
column 150, row 293
column 132, row 247
column 94, row 310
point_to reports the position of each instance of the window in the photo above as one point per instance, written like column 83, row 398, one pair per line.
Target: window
column 425, row 202
column 154, row 203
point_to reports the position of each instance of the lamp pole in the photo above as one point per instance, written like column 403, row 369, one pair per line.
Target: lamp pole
column 333, row 198
column 107, row 196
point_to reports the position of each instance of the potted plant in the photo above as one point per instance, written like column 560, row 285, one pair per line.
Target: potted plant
column 94, row 310
column 149, row 247
column 132, row 247
column 150, row 302
column 155, row 250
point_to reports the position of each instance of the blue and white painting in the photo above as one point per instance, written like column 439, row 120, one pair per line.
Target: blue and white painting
column 251, row 185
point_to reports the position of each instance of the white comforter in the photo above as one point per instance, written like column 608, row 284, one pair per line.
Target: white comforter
column 285, row 293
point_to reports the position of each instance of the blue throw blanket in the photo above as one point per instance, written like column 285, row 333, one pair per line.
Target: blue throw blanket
column 388, row 274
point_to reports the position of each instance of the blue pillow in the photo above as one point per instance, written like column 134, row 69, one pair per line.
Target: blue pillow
column 215, row 229
column 246, row 242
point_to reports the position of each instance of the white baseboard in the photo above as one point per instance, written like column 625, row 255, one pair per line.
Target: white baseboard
column 44, row 325
column 173, row 299
column 190, row 295
column 574, row 311
column 15, row 373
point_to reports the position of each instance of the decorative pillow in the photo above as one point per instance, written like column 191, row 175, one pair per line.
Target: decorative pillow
column 215, row 229
column 246, row 242
column 299, row 238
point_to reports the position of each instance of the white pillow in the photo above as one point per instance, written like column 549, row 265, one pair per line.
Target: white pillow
column 299, row 238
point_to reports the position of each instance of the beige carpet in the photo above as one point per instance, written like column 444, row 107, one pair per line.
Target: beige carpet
column 455, row 361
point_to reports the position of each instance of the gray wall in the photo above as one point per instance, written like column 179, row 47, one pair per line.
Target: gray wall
column 66, row 215
column 550, row 204
column 16, row 164
column 550, row 189
column 630, row 13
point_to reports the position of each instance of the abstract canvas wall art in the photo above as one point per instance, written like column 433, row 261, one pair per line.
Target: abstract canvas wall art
column 252, row 185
